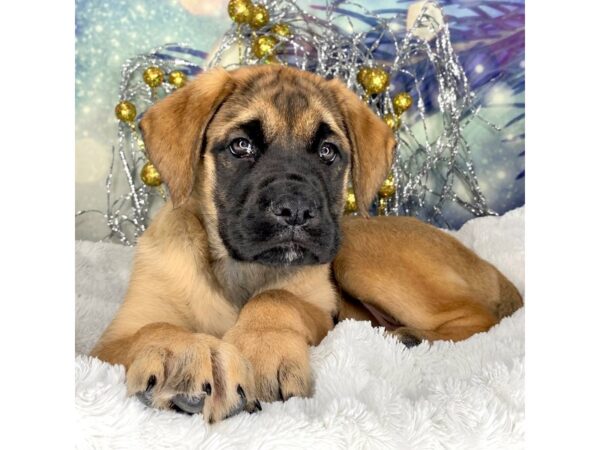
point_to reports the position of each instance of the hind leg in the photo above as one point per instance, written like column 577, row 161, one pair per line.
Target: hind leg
column 420, row 283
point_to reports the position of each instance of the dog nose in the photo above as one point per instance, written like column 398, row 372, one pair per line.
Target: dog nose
column 293, row 211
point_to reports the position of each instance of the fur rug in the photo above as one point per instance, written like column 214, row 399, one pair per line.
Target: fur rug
column 371, row 391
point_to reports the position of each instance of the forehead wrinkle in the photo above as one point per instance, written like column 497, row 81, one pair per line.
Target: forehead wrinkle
column 330, row 120
column 255, row 100
column 255, row 109
column 248, row 86
column 290, row 102
column 303, row 108
column 323, row 114
column 305, row 124
column 271, row 118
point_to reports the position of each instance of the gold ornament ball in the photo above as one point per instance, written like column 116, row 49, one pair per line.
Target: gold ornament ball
column 381, row 207
column 374, row 80
column 402, row 102
column 361, row 75
column 125, row 111
column 392, row 121
column 259, row 17
column 177, row 78
column 388, row 188
column 154, row 76
column 350, row 202
column 281, row 29
column 150, row 175
column 263, row 46
column 240, row 11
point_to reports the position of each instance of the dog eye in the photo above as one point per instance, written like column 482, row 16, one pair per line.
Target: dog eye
column 328, row 152
column 242, row 148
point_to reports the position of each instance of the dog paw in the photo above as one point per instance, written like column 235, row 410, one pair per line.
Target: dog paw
column 281, row 364
column 193, row 373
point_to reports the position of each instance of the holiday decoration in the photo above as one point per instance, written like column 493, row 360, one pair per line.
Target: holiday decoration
column 153, row 76
column 388, row 188
column 281, row 29
column 127, row 215
column 402, row 102
column 382, row 207
column 391, row 120
column 351, row 206
column 240, row 11
column 125, row 111
column 374, row 80
column 259, row 17
column 150, row 175
column 177, row 78
column 263, row 46
column 402, row 64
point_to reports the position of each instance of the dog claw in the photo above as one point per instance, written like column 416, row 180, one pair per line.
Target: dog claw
column 188, row 404
column 243, row 404
column 254, row 406
column 241, row 393
column 146, row 396
column 151, row 383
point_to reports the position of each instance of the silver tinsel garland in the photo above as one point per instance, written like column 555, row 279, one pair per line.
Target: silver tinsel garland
column 432, row 168
column 127, row 215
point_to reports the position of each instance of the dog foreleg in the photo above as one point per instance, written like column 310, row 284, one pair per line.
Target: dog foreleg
column 274, row 331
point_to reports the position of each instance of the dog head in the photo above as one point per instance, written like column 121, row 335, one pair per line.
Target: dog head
column 266, row 153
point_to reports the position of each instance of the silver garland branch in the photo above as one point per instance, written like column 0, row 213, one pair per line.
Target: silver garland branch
column 127, row 214
column 432, row 167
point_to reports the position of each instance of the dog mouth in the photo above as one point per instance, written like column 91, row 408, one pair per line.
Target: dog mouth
column 288, row 253
column 285, row 247
column 257, row 235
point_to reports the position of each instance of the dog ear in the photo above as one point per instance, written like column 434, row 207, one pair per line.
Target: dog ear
column 372, row 143
column 174, row 128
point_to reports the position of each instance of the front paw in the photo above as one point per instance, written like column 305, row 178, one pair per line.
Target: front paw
column 280, row 360
column 192, row 373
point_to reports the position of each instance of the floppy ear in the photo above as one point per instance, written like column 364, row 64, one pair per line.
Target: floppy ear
column 174, row 127
column 372, row 143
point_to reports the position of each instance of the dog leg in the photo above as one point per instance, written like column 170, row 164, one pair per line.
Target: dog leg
column 169, row 367
column 274, row 331
column 427, row 282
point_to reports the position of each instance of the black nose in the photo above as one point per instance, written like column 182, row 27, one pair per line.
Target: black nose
column 293, row 211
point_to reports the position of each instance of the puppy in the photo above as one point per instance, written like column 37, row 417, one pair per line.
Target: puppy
column 252, row 262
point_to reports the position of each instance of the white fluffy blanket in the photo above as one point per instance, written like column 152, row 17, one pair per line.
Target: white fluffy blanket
column 371, row 391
